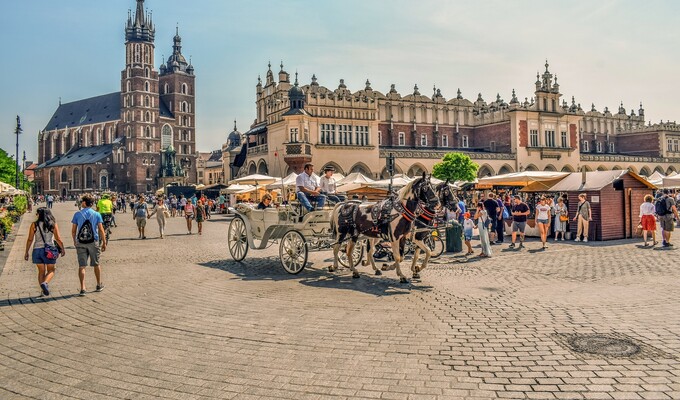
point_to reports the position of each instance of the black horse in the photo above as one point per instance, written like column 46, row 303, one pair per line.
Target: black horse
column 390, row 219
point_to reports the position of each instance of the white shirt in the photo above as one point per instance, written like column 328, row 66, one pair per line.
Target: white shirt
column 327, row 184
column 543, row 212
column 306, row 181
column 468, row 225
column 647, row 209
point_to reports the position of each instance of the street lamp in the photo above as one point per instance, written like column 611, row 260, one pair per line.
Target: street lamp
column 17, row 131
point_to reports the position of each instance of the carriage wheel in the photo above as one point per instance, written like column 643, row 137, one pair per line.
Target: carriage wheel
column 237, row 239
column 436, row 245
column 357, row 254
column 293, row 252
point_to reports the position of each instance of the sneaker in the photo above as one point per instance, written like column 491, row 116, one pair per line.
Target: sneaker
column 512, row 245
column 99, row 288
column 577, row 240
column 563, row 239
column 521, row 245
column 82, row 293
column 45, row 289
column 585, row 240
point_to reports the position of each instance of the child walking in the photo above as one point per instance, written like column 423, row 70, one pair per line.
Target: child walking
column 468, row 227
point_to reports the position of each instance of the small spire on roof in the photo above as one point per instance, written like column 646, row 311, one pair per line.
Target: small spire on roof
column 234, row 124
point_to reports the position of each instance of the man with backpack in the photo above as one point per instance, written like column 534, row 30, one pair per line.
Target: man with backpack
column 139, row 213
column 666, row 209
column 89, row 240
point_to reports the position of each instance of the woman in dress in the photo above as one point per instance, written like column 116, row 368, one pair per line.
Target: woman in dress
column 161, row 211
column 200, row 215
column 483, row 224
column 562, row 216
column 543, row 220
column 647, row 219
column 45, row 232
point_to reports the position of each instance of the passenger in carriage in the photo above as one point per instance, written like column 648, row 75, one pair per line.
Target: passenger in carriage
column 308, row 189
column 328, row 186
column 266, row 202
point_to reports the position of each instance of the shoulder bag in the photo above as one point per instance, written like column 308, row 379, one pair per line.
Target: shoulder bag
column 51, row 251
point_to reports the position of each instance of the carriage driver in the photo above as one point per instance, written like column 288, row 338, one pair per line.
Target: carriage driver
column 308, row 189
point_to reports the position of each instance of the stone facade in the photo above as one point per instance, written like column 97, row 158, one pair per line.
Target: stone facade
column 355, row 131
column 153, row 113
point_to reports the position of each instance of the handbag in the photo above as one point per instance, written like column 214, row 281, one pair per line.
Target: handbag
column 506, row 215
column 51, row 252
column 564, row 218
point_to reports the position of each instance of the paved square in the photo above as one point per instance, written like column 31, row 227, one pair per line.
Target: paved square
column 178, row 319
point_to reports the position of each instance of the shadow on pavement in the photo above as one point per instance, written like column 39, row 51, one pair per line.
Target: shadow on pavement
column 34, row 300
column 269, row 269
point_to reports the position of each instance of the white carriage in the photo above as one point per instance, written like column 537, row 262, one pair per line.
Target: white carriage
column 296, row 233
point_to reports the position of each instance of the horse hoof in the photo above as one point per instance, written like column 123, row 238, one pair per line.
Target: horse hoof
column 356, row 275
column 378, row 272
column 403, row 280
column 331, row 269
column 416, row 276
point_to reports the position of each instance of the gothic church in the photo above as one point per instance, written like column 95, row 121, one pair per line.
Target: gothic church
column 133, row 141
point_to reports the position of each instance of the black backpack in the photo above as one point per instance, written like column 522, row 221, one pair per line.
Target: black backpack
column 85, row 232
column 660, row 206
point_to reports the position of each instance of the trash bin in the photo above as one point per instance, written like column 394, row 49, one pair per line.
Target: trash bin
column 454, row 238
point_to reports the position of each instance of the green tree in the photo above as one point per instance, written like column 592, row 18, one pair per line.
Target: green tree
column 456, row 167
column 8, row 168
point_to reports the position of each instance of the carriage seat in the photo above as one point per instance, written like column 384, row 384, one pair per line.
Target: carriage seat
column 260, row 220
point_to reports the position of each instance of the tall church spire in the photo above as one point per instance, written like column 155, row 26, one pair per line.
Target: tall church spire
column 139, row 14
column 139, row 29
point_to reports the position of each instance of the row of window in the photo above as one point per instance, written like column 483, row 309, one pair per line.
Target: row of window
column 423, row 140
column 76, row 181
column 673, row 145
column 344, row 135
column 549, row 139
column 599, row 147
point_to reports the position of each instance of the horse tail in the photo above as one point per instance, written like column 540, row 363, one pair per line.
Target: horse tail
column 334, row 221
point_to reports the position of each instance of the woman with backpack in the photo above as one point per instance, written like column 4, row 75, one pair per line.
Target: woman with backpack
column 45, row 232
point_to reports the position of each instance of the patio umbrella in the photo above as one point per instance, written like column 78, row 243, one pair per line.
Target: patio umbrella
column 237, row 188
column 255, row 179
column 355, row 177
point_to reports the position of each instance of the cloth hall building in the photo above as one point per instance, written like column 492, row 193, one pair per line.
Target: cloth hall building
column 134, row 140
column 354, row 131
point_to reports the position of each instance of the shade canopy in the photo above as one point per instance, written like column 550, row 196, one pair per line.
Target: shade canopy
column 594, row 180
column 671, row 182
column 236, row 188
column 523, row 178
column 397, row 181
column 355, row 177
column 287, row 181
column 255, row 179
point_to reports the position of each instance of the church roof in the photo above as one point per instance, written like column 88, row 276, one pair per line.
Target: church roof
column 83, row 155
column 94, row 110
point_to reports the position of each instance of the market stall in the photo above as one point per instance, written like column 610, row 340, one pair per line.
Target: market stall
column 614, row 196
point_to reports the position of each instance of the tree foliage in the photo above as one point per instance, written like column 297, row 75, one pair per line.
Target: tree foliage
column 456, row 167
column 7, row 168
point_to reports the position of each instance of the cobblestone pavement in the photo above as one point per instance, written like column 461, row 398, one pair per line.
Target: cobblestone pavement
column 178, row 319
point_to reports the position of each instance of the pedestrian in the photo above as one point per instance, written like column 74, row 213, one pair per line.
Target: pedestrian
column 89, row 240
column 173, row 206
column 542, row 220
column 139, row 214
column 50, row 201
column 500, row 224
column 161, row 212
column 484, row 225
column 584, row 215
column 647, row 219
column 491, row 207
column 200, row 215
column 468, row 227
column 520, row 212
column 182, row 203
column 666, row 209
column 44, row 254
column 562, row 216
column 189, row 215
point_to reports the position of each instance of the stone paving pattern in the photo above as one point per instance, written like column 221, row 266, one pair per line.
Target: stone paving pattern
column 180, row 320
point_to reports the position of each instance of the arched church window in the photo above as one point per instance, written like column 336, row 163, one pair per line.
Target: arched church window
column 147, row 101
column 166, row 137
column 184, row 88
column 146, row 86
column 147, row 117
column 147, row 73
column 148, row 147
column 137, row 53
column 128, row 86
column 147, row 131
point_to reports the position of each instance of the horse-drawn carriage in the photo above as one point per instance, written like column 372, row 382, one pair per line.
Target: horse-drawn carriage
column 297, row 232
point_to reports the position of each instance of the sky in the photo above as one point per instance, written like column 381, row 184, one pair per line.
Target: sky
column 602, row 52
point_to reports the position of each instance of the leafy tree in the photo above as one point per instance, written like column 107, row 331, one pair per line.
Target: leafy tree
column 8, row 168
column 456, row 167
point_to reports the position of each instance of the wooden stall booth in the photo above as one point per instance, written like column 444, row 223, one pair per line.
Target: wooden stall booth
column 614, row 196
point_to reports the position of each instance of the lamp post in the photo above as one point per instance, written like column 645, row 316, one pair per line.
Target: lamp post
column 17, row 131
column 23, row 169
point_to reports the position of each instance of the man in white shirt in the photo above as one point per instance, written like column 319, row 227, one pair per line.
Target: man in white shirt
column 328, row 187
column 308, row 189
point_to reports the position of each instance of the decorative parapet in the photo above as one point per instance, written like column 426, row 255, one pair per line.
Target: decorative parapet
column 663, row 126
column 343, row 147
column 439, row 154
column 297, row 149
column 261, row 149
column 626, row 159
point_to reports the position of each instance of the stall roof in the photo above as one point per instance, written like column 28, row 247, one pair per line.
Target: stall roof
column 594, row 180
column 523, row 178
column 671, row 181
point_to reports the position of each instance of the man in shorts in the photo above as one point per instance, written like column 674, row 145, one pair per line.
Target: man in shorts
column 88, row 251
column 666, row 220
column 520, row 212
column 139, row 213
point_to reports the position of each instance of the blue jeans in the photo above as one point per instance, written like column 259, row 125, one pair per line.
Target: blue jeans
column 305, row 200
column 335, row 198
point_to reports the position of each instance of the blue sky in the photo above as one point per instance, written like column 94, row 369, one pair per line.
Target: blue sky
column 603, row 52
